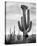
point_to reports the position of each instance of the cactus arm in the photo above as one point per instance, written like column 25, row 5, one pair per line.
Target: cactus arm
column 20, row 27
column 29, row 28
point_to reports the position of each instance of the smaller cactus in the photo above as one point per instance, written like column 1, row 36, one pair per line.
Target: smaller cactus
column 18, row 37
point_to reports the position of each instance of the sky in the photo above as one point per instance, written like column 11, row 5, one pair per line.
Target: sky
column 14, row 13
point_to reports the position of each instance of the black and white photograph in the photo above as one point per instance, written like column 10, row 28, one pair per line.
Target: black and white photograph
column 20, row 22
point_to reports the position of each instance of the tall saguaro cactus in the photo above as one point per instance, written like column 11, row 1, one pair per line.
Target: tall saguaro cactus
column 26, row 27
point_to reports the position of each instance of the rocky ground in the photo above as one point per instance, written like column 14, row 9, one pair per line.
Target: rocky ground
column 29, row 39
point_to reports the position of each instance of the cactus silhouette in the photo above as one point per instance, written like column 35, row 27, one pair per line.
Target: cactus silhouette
column 26, row 27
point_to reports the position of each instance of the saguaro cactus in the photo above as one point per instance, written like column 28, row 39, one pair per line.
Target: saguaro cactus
column 26, row 27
